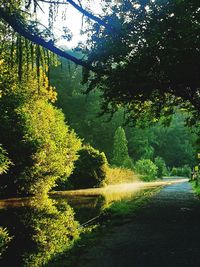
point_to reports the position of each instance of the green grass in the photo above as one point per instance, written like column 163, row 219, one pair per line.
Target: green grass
column 114, row 214
column 128, row 207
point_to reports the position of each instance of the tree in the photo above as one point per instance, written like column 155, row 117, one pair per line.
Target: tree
column 153, row 59
column 145, row 53
column 34, row 133
column 120, row 148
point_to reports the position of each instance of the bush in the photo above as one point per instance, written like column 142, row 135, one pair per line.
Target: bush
column 162, row 169
column 184, row 171
column 40, row 144
column 147, row 169
column 4, row 240
column 90, row 169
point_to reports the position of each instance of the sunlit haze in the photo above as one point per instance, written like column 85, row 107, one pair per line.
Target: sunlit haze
column 73, row 22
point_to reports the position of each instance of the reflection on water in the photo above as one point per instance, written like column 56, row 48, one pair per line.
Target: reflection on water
column 43, row 227
column 89, row 203
column 40, row 230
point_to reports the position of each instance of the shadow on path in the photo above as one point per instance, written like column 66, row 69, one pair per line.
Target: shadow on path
column 166, row 232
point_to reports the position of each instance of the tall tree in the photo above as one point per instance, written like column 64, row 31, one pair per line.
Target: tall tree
column 120, row 148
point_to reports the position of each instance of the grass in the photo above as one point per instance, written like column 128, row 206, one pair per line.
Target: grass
column 115, row 213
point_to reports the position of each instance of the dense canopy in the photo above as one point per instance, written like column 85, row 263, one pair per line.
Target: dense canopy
column 144, row 54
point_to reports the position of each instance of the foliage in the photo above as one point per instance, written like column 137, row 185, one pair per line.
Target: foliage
column 4, row 240
column 184, row 171
column 141, row 63
column 120, row 149
column 90, row 168
column 147, row 169
column 128, row 164
column 96, row 130
column 116, row 175
column 143, row 141
column 162, row 169
column 148, row 67
column 177, row 139
column 40, row 144
column 4, row 161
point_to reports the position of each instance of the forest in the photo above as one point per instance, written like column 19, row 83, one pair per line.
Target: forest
column 123, row 103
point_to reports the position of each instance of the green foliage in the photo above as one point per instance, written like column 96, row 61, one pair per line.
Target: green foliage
column 128, row 163
column 4, row 240
column 40, row 144
column 147, row 169
column 145, row 57
column 56, row 146
column 4, row 161
column 90, row 169
column 143, row 141
column 184, row 171
column 120, row 149
column 162, row 169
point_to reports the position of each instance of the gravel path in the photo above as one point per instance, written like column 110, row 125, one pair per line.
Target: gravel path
column 166, row 232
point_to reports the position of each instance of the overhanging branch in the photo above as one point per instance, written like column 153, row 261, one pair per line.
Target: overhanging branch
column 24, row 31
column 91, row 16
column 84, row 12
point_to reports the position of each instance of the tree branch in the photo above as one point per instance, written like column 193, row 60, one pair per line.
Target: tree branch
column 52, row 2
column 17, row 25
column 84, row 12
column 91, row 16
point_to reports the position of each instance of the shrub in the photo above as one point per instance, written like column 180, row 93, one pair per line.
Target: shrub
column 40, row 144
column 147, row 169
column 90, row 169
column 4, row 240
column 162, row 169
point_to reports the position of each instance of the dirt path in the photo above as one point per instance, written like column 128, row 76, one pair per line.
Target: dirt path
column 166, row 232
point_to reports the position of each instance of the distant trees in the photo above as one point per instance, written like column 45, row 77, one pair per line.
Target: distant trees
column 144, row 140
